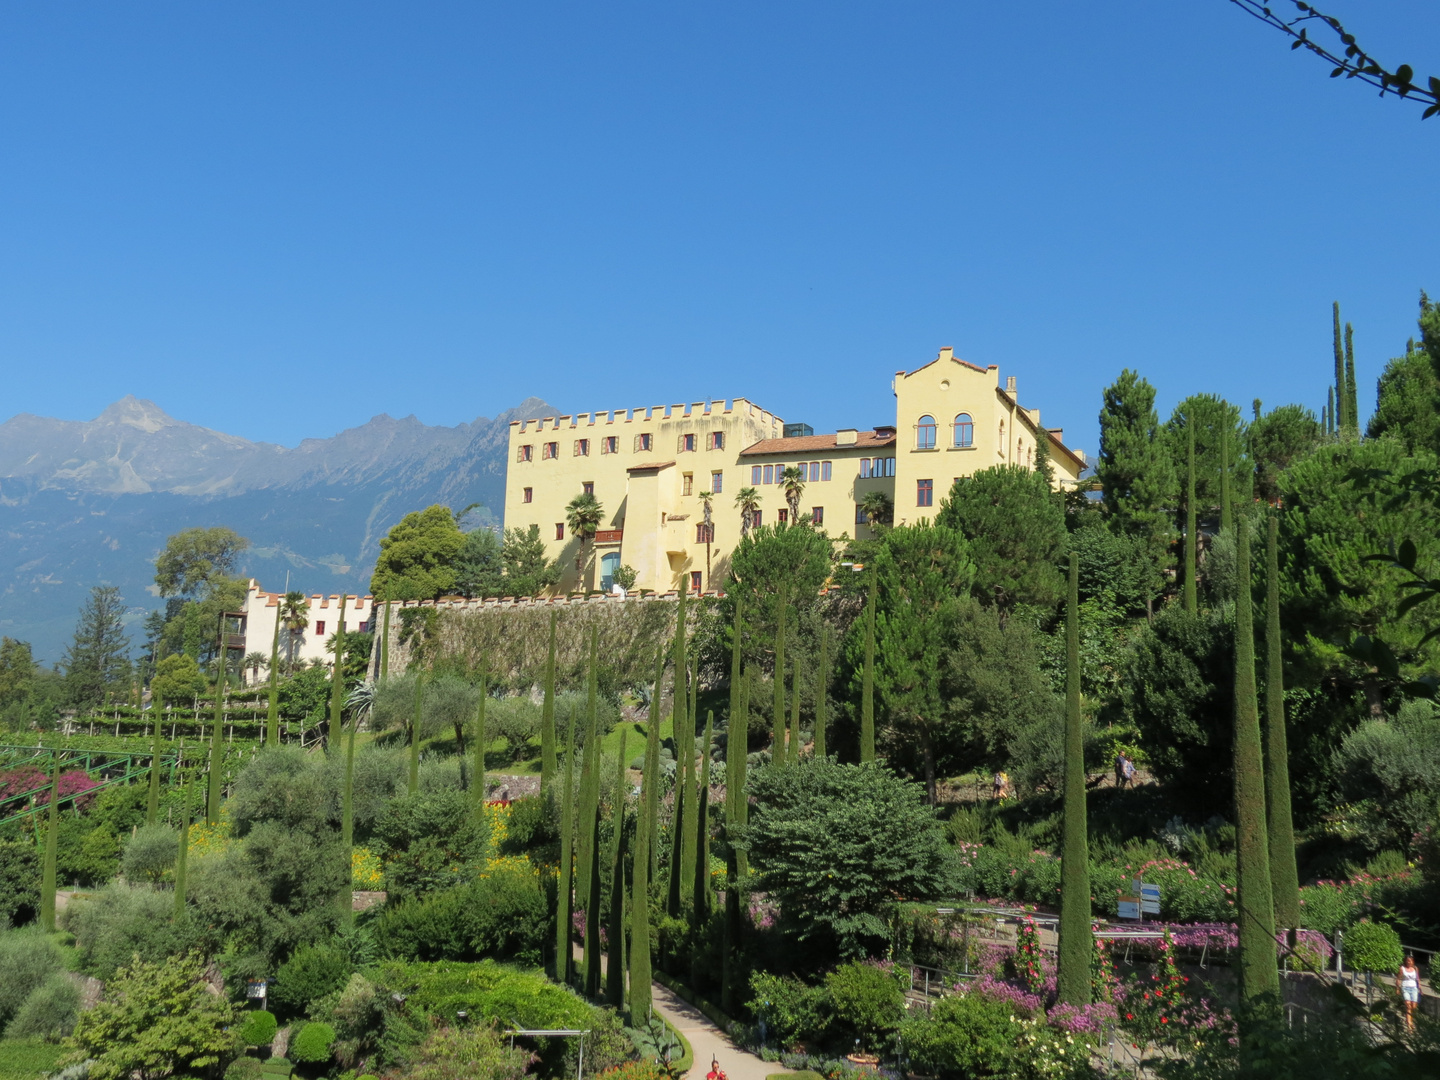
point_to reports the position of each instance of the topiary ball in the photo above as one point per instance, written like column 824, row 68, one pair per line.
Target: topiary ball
column 245, row 1068
column 259, row 1028
column 312, row 1045
column 1372, row 947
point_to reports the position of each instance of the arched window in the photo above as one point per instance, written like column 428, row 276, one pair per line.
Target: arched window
column 925, row 433
column 964, row 430
column 609, row 563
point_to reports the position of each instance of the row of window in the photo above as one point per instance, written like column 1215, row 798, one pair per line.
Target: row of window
column 319, row 626
column 962, row 432
column 687, row 486
column 810, row 472
column 876, row 467
column 610, row 444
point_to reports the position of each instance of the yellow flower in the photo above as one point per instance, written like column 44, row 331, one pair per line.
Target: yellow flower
column 366, row 872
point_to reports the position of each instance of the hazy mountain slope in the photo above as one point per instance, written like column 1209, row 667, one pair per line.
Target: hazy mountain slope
column 85, row 503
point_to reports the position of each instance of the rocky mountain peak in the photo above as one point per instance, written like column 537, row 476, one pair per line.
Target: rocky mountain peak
column 141, row 413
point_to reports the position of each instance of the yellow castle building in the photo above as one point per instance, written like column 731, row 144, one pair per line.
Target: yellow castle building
column 652, row 469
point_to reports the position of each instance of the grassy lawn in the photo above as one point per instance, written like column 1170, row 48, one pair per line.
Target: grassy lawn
column 24, row 1060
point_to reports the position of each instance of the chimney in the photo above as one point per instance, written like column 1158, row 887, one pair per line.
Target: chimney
column 845, row 436
column 947, row 352
column 1010, row 385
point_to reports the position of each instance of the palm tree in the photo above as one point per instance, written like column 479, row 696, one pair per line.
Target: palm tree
column 748, row 500
column 583, row 514
column 877, row 508
column 705, row 499
column 295, row 614
column 255, row 661
column 794, row 480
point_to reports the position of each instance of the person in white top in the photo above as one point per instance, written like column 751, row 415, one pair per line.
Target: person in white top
column 1407, row 982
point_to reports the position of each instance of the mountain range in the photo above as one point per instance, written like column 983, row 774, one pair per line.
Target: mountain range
column 91, row 502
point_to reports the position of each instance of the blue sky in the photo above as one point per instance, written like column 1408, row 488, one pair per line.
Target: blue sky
column 280, row 219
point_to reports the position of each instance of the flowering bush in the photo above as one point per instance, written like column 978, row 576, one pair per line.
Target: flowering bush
column 366, row 871
column 1159, row 1010
column 15, row 783
column 1027, row 963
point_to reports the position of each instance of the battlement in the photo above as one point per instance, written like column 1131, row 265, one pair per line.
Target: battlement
column 460, row 603
column 736, row 407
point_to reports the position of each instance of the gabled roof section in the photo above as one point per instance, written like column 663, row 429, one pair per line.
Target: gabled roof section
column 814, row 444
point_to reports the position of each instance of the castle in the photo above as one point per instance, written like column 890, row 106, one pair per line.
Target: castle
column 653, row 470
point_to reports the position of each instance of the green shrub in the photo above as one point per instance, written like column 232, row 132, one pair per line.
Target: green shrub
column 245, row 1068
column 868, row 999
column 27, row 959
column 502, row 916
column 259, row 1028
column 793, row 1011
column 964, row 1035
column 312, row 1045
column 149, row 854
column 474, row 1052
column 122, row 920
column 313, row 972
column 27, row 1060
column 1373, row 946
column 49, row 1012
column 530, row 824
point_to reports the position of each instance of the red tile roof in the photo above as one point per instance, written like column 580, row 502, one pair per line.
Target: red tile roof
column 812, row 444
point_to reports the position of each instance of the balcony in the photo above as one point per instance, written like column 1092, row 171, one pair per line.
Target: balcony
column 609, row 536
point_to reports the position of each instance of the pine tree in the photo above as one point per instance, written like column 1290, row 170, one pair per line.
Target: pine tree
column 1136, row 469
column 52, row 841
column 565, row 897
column 152, row 804
column 97, row 659
column 792, row 754
column 547, row 714
column 272, row 711
column 615, row 963
column 1191, row 557
column 183, row 853
column 1255, row 909
column 590, row 823
column 414, row 785
column 640, row 862
column 777, row 747
column 337, row 679
column 1075, row 936
column 1284, row 876
column 867, row 681
column 212, row 803
column 478, row 789
column 1226, row 519
column 1352, row 405
column 822, row 694
column 1342, row 399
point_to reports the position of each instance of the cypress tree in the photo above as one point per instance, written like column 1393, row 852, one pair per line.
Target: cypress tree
column 1075, row 936
column 1342, row 399
column 212, row 803
column 547, row 714
column 674, row 883
column 182, row 855
column 615, row 963
column 1284, row 876
column 272, row 712
column 337, row 678
column 415, row 733
column 152, row 805
column 385, row 641
column 867, row 681
column 52, row 840
column 822, row 693
column 777, row 748
column 1255, row 910
column 347, row 812
column 1352, row 405
column 565, row 898
column 478, row 791
column 640, row 862
column 1226, row 520
column 702, row 833
column 792, row 756
column 1191, row 560
column 590, row 825
column 686, row 772
column 1325, row 411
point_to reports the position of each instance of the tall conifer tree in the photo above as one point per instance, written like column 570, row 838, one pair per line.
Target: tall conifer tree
column 822, row 693
column 685, row 744
column 547, row 714
column 792, row 753
column 212, row 803
column 777, row 749
column 183, row 854
column 385, row 641
column 272, row 711
column 347, row 814
column 478, row 786
column 1076, row 943
column 1226, row 519
column 701, row 908
column 152, row 803
column 640, row 862
column 677, row 885
column 867, row 680
column 615, row 957
column 1342, row 398
column 337, row 679
column 1191, row 555
column 590, row 823
column 1255, row 908
column 565, row 897
column 52, row 844
column 1352, row 404
column 1284, row 875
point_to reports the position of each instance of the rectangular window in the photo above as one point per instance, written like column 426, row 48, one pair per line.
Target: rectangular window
column 755, row 518
column 363, row 628
column 559, row 530
column 704, row 534
column 717, row 440
column 528, row 495
column 824, row 470
column 588, row 487
column 642, row 442
column 864, row 468
column 889, row 466
column 782, row 516
column 320, row 628
column 716, row 482
column 525, row 453
column 582, row 447
column 814, row 472
column 695, row 581
column 817, row 515
column 755, row 474
column 687, row 443
column 924, row 492
column 769, row 474
column 861, row 518
column 687, row 484
column 552, row 450
column 610, row 444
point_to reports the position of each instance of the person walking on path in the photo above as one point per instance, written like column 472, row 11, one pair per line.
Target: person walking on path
column 1120, row 769
column 1407, row 982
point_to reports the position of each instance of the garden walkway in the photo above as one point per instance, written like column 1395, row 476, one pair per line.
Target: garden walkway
column 709, row 1041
